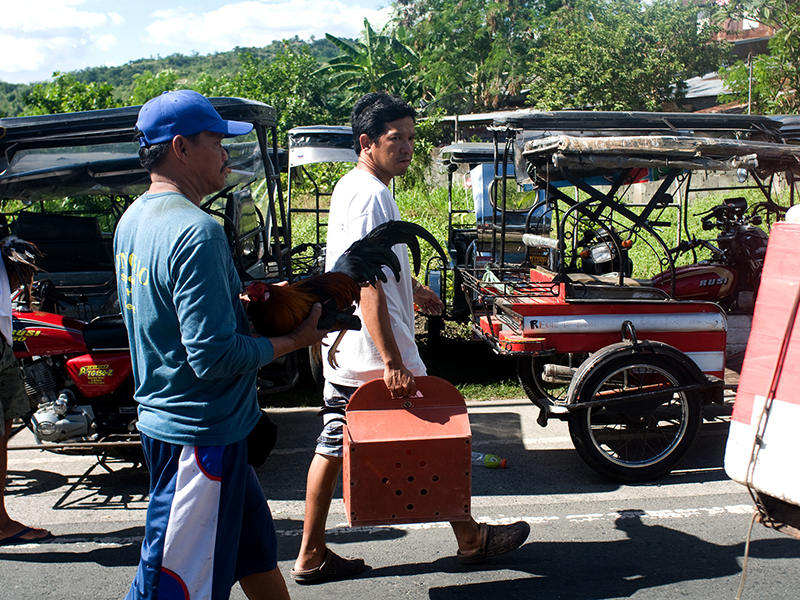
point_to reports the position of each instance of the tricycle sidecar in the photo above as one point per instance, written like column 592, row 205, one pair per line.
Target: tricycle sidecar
column 627, row 360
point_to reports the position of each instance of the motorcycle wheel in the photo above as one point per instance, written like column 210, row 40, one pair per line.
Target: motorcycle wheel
column 529, row 374
column 643, row 439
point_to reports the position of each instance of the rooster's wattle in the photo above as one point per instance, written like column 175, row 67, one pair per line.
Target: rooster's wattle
column 279, row 309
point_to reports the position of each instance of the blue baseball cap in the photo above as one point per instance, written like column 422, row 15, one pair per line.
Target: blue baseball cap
column 183, row 112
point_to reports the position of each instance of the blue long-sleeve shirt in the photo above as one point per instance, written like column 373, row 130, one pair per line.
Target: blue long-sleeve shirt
column 194, row 359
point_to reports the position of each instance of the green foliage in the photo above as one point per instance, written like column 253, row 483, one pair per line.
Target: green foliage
column 776, row 76
column 647, row 263
column 285, row 83
column 149, row 86
column 194, row 71
column 429, row 132
column 477, row 46
column 620, row 55
column 377, row 62
column 12, row 99
column 66, row 94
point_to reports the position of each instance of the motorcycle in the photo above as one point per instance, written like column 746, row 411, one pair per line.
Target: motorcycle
column 730, row 277
column 79, row 375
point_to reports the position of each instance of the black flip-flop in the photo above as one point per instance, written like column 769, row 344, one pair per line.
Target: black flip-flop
column 333, row 567
column 17, row 539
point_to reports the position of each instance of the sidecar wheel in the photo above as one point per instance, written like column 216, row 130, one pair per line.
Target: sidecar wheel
column 530, row 370
column 645, row 438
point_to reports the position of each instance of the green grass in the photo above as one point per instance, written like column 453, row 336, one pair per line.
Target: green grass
column 472, row 366
column 646, row 261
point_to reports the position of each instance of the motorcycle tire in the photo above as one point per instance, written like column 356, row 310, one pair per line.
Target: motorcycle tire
column 646, row 438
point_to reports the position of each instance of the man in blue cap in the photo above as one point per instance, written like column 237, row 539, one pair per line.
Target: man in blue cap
column 194, row 366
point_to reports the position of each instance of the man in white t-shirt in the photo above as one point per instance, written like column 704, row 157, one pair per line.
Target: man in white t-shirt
column 383, row 135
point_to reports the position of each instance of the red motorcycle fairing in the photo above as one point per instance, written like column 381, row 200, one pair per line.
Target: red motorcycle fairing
column 46, row 334
column 710, row 282
column 99, row 373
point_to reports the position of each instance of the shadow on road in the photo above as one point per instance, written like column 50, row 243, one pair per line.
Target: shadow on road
column 124, row 553
column 651, row 556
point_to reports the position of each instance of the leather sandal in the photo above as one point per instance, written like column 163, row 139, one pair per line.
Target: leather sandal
column 496, row 540
column 332, row 567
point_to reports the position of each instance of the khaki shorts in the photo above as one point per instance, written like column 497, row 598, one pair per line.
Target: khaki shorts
column 13, row 399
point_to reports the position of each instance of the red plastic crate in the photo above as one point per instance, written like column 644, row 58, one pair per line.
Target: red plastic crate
column 407, row 460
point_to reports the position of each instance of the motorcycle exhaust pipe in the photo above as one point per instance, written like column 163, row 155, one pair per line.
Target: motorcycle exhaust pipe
column 558, row 374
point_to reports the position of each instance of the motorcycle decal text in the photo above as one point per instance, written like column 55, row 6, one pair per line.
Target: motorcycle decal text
column 713, row 281
column 96, row 373
column 131, row 271
column 22, row 335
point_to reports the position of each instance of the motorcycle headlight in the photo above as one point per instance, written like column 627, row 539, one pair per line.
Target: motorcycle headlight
column 600, row 253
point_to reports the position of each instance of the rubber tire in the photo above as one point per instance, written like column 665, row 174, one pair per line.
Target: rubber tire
column 529, row 374
column 639, row 468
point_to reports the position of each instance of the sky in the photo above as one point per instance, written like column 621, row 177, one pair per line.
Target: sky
column 42, row 36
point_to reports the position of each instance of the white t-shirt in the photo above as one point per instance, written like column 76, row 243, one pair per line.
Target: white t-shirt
column 361, row 202
column 5, row 303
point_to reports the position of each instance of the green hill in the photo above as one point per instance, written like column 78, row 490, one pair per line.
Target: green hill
column 188, row 68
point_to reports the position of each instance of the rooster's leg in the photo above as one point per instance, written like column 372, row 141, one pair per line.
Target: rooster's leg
column 332, row 352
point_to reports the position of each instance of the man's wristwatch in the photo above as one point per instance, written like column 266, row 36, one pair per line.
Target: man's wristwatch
column 415, row 288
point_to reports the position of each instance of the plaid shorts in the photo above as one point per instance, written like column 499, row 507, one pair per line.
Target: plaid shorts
column 13, row 399
column 331, row 441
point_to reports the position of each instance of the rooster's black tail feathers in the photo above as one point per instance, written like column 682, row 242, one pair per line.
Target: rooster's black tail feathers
column 364, row 259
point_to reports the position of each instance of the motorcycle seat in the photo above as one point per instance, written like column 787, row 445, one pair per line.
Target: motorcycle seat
column 106, row 333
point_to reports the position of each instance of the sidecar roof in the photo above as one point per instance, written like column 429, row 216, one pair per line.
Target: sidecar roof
column 89, row 153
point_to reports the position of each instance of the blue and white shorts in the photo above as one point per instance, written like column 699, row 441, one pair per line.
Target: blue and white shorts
column 208, row 523
column 331, row 441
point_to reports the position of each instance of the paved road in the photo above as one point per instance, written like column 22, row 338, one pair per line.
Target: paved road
column 683, row 536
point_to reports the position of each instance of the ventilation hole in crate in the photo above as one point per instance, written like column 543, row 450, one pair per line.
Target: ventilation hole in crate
column 410, row 507
column 408, row 452
column 410, row 478
column 423, row 492
column 385, row 480
column 435, row 478
column 436, row 514
column 398, row 492
column 394, row 516
column 422, row 463
column 397, row 465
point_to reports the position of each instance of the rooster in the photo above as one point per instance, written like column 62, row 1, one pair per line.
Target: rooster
column 279, row 309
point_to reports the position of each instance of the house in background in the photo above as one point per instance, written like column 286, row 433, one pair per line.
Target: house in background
column 749, row 39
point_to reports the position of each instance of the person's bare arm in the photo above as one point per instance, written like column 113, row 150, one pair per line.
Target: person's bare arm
column 375, row 313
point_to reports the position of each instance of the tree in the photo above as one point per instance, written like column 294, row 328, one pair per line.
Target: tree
column 147, row 85
column 377, row 62
column 66, row 94
column 286, row 83
column 474, row 46
column 776, row 76
column 621, row 55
